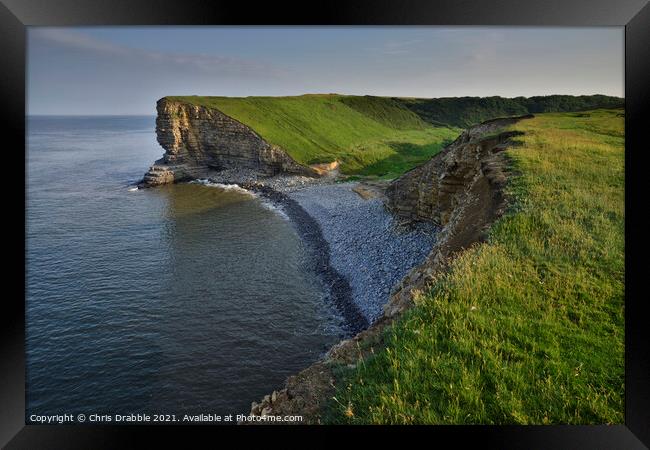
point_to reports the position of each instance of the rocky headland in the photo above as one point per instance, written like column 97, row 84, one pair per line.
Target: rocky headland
column 200, row 141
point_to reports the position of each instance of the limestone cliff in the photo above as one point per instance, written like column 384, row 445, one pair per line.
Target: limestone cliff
column 198, row 140
column 470, row 165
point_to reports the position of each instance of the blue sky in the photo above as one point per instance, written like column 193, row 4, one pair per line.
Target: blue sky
column 124, row 70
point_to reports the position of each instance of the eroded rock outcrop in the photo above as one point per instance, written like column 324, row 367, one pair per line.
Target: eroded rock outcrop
column 460, row 189
column 199, row 139
column 470, row 165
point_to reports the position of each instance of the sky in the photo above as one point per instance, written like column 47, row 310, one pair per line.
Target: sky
column 124, row 70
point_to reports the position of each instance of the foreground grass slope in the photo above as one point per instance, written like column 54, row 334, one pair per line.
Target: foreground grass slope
column 527, row 327
column 373, row 136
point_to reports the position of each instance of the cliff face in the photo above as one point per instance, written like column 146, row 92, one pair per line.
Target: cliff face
column 467, row 173
column 197, row 139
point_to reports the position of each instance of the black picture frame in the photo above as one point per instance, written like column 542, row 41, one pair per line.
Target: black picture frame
column 16, row 15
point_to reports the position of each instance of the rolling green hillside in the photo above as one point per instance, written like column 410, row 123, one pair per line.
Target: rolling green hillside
column 374, row 136
column 528, row 327
column 467, row 111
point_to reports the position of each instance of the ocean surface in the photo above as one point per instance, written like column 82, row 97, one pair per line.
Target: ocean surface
column 185, row 299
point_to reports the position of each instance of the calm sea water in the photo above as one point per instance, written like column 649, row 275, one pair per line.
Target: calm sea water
column 181, row 299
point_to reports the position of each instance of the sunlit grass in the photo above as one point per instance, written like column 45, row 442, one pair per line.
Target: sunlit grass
column 528, row 327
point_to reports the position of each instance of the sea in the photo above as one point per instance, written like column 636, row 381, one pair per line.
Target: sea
column 184, row 299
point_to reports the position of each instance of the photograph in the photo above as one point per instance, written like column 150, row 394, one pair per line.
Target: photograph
column 350, row 225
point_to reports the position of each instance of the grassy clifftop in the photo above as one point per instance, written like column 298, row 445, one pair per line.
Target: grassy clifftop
column 528, row 327
column 374, row 136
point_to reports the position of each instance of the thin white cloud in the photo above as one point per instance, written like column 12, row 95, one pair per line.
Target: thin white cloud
column 210, row 64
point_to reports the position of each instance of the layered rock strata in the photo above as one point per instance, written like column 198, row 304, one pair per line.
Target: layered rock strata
column 199, row 140
column 470, row 165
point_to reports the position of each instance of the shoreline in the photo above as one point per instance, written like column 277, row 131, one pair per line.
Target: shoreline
column 309, row 230
column 356, row 247
column 276, row 189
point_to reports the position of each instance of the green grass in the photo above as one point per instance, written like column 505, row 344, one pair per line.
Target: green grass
column 388, row 111
column 369, row 136
column 528, row 327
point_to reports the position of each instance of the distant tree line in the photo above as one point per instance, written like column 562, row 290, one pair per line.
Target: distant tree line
column 466, row 111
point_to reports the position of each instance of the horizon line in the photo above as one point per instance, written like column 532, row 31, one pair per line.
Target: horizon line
column 305, row 94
